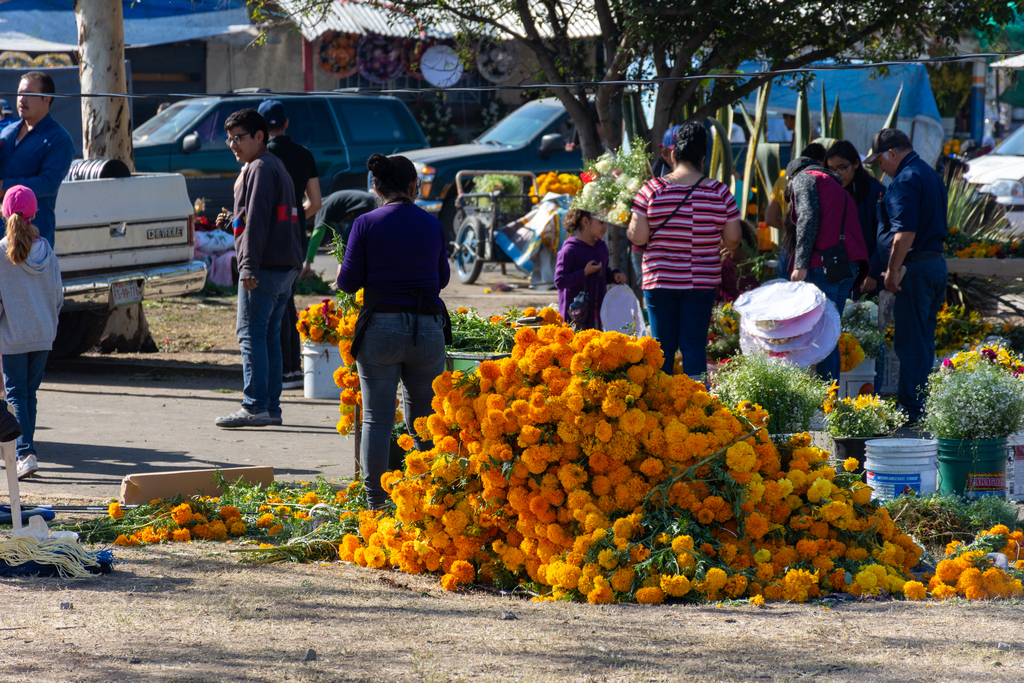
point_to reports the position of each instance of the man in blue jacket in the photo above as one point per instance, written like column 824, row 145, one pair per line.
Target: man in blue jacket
column 35, row 150
column 914, row 209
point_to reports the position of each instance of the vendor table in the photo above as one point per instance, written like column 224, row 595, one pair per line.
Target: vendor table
column 1002, row 269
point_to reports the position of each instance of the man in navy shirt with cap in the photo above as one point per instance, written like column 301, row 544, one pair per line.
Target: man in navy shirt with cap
column 301, row 166
column 914, row 209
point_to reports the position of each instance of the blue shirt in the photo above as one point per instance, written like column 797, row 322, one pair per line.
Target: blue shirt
column 39, row 162
column 915, row 201
column 396, row 249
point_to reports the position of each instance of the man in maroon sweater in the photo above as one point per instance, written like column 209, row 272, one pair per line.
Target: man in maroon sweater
column 266, row 228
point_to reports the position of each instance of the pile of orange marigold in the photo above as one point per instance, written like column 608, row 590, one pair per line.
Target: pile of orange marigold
column 969, row 571
column 203, row 518
column 579, row 469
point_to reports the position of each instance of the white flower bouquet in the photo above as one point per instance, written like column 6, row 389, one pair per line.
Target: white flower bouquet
column 611, row 181
column 789, row 394
column 974, row 396
column 863, row 416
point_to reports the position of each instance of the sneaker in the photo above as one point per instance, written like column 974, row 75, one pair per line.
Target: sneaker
column 292, row 380
column 243, row 418
column 27, row 466
column 276, row 421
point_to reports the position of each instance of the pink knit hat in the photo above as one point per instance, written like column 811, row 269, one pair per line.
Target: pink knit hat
column 20, row 199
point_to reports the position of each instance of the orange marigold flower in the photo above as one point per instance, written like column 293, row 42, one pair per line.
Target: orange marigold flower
column 115, row 511
column 914, row 590
column 650, row 596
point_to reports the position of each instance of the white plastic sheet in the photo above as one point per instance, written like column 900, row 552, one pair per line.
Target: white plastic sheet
column 620, row 309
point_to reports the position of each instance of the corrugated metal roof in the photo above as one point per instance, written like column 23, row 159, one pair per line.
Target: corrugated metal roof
column 353, row 16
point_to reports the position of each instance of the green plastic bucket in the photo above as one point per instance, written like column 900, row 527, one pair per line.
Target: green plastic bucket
column 972, row 468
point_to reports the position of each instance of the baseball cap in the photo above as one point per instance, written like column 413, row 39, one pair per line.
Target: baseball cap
column 884, row 140
column 20, row 199
column 273, row 112
column 668, row 140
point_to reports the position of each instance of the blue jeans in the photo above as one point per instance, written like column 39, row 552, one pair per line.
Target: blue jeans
column 259, row 335
column 917, row 305
column 389, row 353
column 837, row 293
column 23, row 373
column 680, row 319
column 637, row 258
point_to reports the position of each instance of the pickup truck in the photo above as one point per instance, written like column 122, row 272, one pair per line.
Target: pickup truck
column 342, row 130
column 1001, row 175
column 120, row 241
column 532, row 138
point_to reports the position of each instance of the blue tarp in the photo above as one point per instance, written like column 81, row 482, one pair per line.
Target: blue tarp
column 49, row 25
column 865, row 103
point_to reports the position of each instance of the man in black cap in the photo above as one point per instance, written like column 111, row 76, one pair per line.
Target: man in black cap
column 301, row 167
column 914, row 211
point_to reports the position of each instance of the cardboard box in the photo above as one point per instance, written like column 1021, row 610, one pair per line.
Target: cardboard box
column 138, row 489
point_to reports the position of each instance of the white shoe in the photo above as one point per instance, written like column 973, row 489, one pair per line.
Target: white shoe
column 27, row 466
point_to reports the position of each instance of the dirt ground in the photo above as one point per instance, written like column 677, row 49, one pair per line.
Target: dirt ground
column 194, row 613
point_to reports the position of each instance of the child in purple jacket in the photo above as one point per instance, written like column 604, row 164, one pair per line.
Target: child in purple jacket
column 583, row 262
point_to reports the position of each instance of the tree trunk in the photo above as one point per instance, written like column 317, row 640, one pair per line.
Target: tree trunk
column 107, row 133
column 106, row 121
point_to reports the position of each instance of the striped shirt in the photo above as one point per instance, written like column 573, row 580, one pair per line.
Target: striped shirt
column 684, row 253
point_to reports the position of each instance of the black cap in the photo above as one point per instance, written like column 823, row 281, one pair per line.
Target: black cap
column 884, row 140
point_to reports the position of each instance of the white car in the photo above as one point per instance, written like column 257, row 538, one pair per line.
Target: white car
column 1001, row 174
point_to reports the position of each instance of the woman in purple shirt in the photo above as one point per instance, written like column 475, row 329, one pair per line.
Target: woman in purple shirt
column 396, row 254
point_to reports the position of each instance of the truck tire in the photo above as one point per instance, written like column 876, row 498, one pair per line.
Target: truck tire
column 468, row 264
column 98, row 168
column 78, row 332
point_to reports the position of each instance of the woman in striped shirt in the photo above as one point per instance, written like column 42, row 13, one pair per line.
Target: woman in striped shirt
column 684, row 219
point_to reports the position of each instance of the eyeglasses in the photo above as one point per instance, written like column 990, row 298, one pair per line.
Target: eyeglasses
column 842, row 170
column 237, row 139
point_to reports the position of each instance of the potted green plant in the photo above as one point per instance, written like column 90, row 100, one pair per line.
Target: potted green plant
column 790, row 394
column 975, row 401
column 852, row 421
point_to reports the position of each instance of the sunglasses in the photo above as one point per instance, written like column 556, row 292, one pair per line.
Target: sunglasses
column 237, row 139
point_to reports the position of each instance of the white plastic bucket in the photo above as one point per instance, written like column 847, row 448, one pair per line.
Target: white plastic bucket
column 851, row 384
column 319, row 362
column 898, row 466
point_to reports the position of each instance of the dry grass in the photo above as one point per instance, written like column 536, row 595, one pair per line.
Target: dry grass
column 192, row 613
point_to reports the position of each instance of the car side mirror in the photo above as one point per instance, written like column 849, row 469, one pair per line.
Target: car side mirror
column 553, row 142
column 191, row 143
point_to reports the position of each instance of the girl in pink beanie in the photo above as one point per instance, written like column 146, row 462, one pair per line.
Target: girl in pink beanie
column 31, row 295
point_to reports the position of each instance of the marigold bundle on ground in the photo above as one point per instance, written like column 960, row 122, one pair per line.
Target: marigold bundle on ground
column 577, row 468
column 969, row 572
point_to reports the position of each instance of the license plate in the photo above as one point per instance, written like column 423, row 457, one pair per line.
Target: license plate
column 125, row 293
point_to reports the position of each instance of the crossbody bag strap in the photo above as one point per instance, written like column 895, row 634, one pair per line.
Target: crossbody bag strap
column 680, row 205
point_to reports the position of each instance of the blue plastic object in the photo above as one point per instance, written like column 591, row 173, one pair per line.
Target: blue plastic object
column 7, row 518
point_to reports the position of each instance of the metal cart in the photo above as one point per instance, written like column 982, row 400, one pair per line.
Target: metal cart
column 479, row 221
